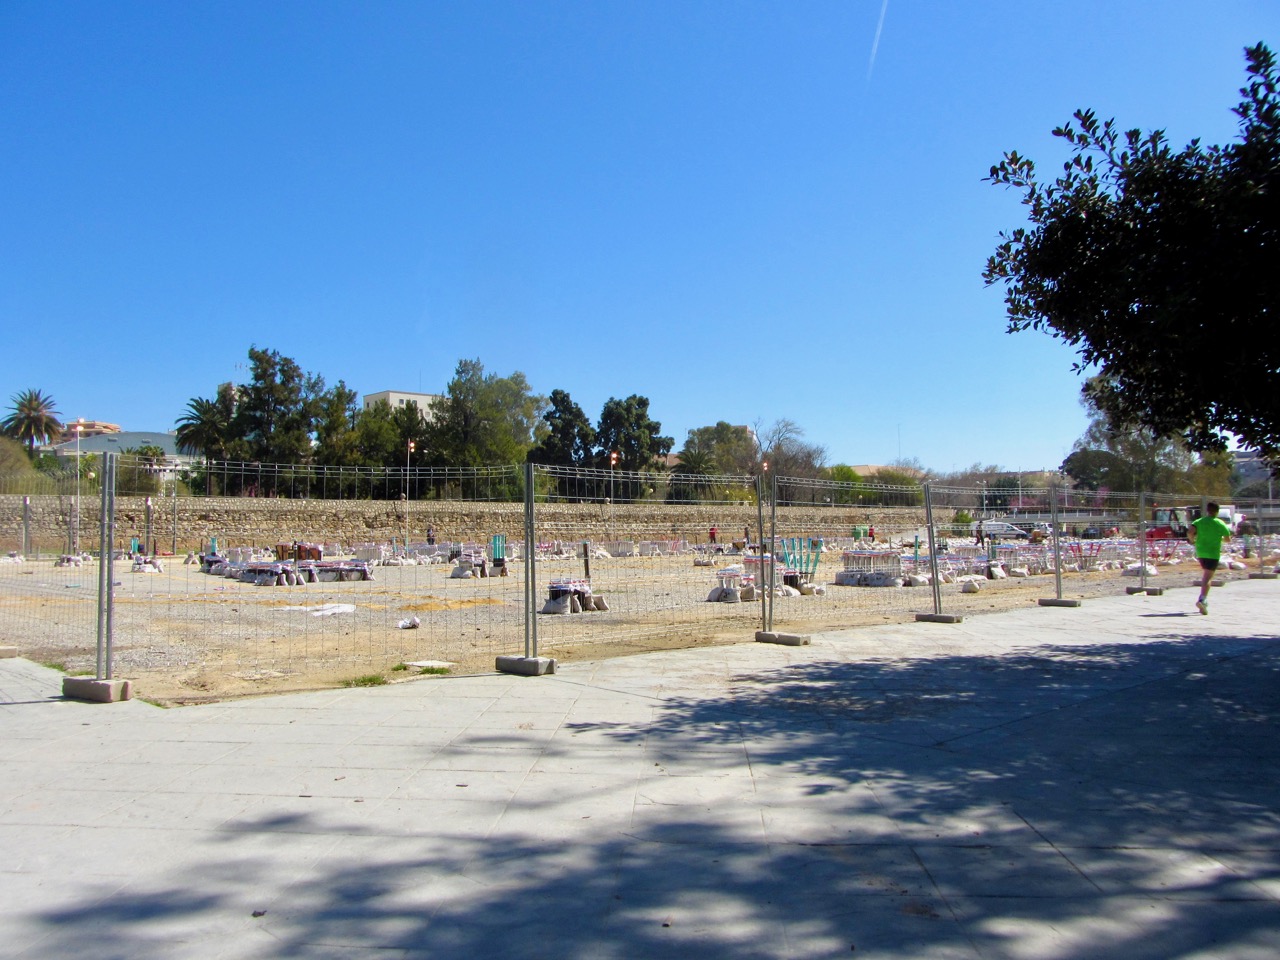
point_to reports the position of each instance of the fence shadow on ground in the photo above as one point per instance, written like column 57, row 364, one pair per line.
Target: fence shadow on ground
column 1098, row 760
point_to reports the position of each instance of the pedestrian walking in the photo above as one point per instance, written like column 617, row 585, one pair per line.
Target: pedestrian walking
column 1206, row 535
column 712, row 533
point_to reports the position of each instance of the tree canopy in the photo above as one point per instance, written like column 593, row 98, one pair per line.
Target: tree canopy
column 1159, row 266
column 1113, row 455
column 33, row 419
column 627, row 429
column 723, row 448
column 485, row 419
column 570, row 438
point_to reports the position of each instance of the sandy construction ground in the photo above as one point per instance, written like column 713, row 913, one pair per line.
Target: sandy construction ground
column 185, row 636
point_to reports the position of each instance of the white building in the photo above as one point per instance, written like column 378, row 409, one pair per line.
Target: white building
column 401, row 398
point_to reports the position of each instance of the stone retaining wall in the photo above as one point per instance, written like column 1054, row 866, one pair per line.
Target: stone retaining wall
column 189, row 522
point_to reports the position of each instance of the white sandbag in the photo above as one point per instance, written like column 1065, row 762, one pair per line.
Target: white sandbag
column 575, row 605
column 730, row 595
column 970, row 586
column 917, row 580
column 598, row 602
column 559, row 604
column 996, row 572
column 806, row 590
column 714, row 595
column 1136, row 570
column 1019, row 572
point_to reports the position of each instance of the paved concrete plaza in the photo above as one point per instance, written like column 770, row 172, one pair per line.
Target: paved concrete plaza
column 1048, row 783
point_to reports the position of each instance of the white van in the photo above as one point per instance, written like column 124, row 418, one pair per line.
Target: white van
column 1000, row 530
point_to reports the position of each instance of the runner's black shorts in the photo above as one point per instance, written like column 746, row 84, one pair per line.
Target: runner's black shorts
column 1208, row 563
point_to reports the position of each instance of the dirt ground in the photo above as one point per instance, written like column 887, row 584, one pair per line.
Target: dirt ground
column 183, row 636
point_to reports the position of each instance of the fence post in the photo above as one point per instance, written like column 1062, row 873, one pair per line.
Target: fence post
column 764, row 602
column 1056, row 600
column 530, row 664
column 26, row 527
column 1142, row 551
column 937, row 616
column 1142, row 536
column 106, row 556
column 1260, row 539
column 773, row 542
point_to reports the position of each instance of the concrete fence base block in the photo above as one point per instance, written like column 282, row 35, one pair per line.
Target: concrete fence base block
column 99, row 691
column 786, row 639
column 1155, row 591
column 1055, row 602
column 938, row 618
column 1132, row 590
column 8, row 652
column 526, row 666
column 1252, row 576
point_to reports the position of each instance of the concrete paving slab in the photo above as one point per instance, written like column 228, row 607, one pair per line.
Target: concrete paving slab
column 1047, row 782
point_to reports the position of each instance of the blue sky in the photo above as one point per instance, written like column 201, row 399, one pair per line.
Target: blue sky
column 734, row 209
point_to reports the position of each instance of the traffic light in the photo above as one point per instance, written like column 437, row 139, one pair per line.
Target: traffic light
column 613, row 458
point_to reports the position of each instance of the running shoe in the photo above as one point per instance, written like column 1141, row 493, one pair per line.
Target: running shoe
column 1202, row 607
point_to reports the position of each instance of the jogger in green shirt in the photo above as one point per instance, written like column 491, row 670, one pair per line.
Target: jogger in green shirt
column 1206, row 534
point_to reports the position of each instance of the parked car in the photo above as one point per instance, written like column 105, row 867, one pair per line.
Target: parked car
column 1000, row 530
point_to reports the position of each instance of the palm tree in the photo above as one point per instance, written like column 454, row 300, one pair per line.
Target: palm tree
column 204, row 429
column 34, row 419
column 696, row 467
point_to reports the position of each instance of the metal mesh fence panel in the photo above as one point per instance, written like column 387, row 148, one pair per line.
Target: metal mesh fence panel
column 627, row 560
column 49, row 553
column 223, row 595
column 218, row 596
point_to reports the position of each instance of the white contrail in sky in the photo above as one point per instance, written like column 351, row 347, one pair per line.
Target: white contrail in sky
column 875, row 44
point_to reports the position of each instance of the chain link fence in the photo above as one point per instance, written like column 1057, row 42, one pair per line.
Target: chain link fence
column 445, row 570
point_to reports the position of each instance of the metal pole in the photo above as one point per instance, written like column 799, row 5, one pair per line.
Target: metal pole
column 773, row 542
column 75, row 529
column 146, row 543
column 1257, row 525
column 530, row 579
column 110, row 564
column 1142, row 538
column 26, row 527
column 1057, row 541
column 933, row 551
column 174, row 551
column 103, row 534
column 764, row 604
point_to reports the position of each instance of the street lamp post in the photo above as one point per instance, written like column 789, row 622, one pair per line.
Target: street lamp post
column 407, row 454
column 75, row 528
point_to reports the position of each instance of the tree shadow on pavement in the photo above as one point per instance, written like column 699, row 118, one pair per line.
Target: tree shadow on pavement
column 1075, row 802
